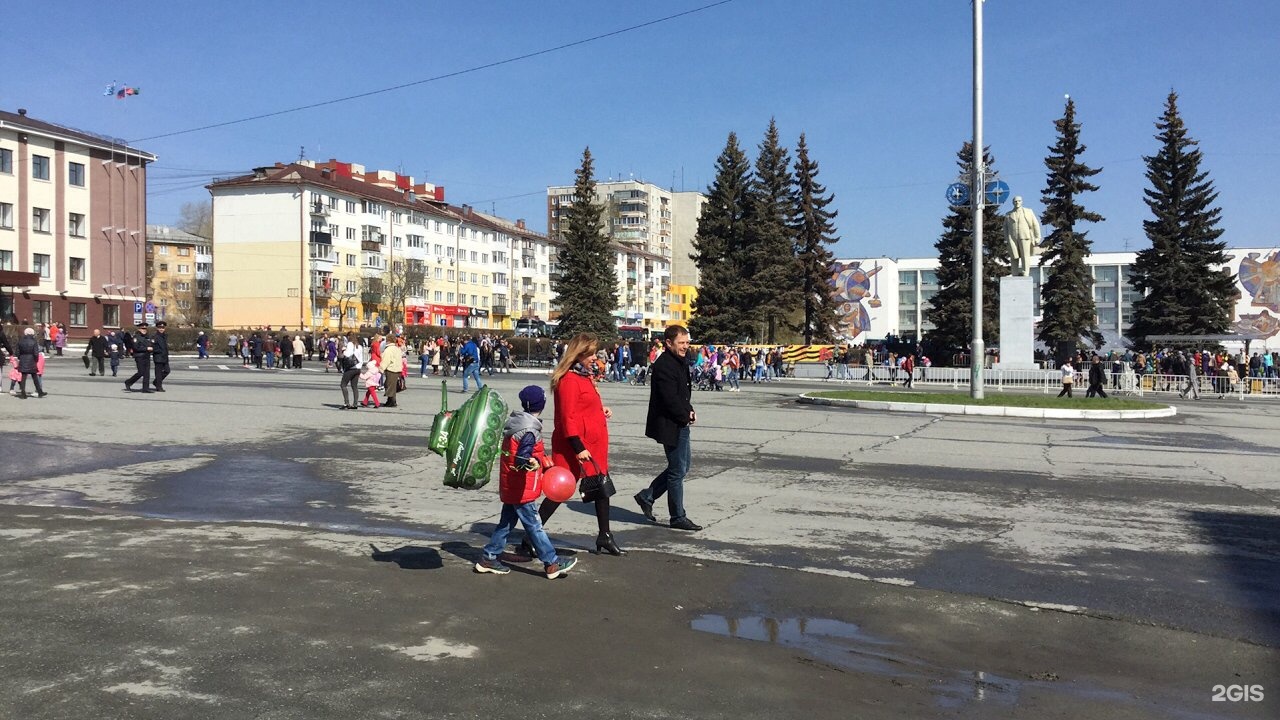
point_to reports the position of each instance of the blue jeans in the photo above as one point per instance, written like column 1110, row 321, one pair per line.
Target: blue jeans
column 472, row 371
column 731, row 377
column 671, row 480
column 528, row 516
column 422, row 368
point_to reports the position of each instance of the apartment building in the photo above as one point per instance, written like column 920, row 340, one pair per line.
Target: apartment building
column 639, row 220
column 332, row 246
column 72, row 226
column 179, row 276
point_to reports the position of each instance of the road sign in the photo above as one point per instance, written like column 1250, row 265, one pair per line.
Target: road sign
column 137, row 318
column 151, row 308
column 151, row 318
column 137, row 308
column 958, row 194
column 997, row 191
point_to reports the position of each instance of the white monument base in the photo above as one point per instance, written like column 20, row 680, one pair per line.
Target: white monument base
column 1017, row 324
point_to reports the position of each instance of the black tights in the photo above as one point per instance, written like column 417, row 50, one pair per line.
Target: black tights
column 548, row 508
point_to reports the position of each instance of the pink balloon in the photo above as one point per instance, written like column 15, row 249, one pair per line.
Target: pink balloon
column 558, row 484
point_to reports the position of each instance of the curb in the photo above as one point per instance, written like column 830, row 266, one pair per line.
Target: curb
column 993, row 410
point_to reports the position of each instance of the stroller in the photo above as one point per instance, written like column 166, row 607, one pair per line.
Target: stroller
column 638, row 375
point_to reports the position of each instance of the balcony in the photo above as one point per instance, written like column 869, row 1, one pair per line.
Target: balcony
column 322, row 238
column 319, row 210
column 499, row 310
column 322, row 294
column 371, row 298
column 323, row 254
column 371, row 245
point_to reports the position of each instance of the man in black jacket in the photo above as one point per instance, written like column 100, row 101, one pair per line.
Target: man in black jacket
column 1097, row 376
column 160, row 356
column 143, row 344
column 97, row 348
column 670, row 415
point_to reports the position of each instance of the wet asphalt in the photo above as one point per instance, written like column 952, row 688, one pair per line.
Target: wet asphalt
column 207, row 551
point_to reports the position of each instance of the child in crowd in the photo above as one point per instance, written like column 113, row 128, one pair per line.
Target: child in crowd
column 14, row 375
column 519, row 486
column 372, row 379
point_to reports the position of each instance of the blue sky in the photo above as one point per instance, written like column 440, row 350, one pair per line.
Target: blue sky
column 882, row 90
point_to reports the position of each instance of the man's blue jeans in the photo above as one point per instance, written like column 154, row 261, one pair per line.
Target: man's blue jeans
column 671, row 480
column 472, row 371
column 528, row 516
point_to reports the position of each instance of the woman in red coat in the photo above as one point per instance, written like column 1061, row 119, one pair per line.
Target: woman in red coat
column 580, row 441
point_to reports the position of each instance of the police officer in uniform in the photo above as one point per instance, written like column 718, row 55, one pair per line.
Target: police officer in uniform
column 160, row 356
column 143, row 346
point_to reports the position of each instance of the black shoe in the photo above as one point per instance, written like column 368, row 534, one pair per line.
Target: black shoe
column 685, row 523
column 42, row 394
column 605, row 543
column 128, row 387
column 645, row 506
column 526, row 549
column 159, row 389
column 147, row 391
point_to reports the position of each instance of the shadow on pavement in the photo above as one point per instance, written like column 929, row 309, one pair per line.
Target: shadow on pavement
column 409, row 557
column 1249, row 550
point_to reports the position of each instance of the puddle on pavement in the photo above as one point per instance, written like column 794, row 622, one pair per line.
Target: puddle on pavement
column 261, row 488
column 848, row 647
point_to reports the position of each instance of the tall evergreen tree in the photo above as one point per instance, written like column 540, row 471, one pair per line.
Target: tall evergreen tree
column 1185, row 294
column 814, row 232
column 950, row 310
column 771, row 272
column 1067, row 309
column 587, row 290
column 718, row 313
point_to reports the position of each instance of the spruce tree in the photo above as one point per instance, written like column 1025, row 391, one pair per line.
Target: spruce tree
column 814, row 232
column 1185, row 294
column 1067, row 309
column 950, row 310
column 587, row 290
column 718, row 312
column 771, row 272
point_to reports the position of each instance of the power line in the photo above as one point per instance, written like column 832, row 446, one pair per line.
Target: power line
column 456, row 73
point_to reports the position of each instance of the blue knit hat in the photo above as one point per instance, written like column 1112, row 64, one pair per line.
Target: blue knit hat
column 532, row 399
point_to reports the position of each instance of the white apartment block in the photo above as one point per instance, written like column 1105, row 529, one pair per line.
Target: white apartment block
column 323, row 245
column 639, row 220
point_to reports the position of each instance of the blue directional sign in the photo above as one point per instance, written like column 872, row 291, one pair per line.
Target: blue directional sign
column 958, row 194
column 997, row 191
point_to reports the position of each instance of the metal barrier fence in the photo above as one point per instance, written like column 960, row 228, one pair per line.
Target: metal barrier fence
column 1046, row 381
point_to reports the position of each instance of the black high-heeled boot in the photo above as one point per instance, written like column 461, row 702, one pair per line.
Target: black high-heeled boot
column 605, row 543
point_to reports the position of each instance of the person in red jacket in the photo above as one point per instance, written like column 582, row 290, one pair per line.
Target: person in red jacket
column 519, row 485
column 580, row 440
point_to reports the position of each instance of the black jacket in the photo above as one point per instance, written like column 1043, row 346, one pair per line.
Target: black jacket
column 670, row 390
column 28, row 354
column 98, row 346
column 1097, row 374
column 160, row 348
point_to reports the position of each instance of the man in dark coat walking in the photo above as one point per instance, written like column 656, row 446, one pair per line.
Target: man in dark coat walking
column 160, row 356
column 97, row 349
column 1097, row 376
column 670, row 415
column 143, row 345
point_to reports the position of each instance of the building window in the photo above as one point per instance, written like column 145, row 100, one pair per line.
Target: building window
column 40, row 167
column 111, row 315
column 351, row 206
column 450, row 296
column 164, row 267
column 351, row 286
column 6, row 216
column 77, row 268
column 439, row 273
column 351, row 260
column 6, row 161
column 439, row 296
column 351, row 314
column 6, row 259
column 79, row 315
column 163, row 249
column 184, row 304
column 184, row 252
column 182, row 286
column 41, row 265
column 75, row 174
column 184, row 269
column 351, row 233
column 75, row 224
column 42, row 311
column 40, row 220
column 164, row 284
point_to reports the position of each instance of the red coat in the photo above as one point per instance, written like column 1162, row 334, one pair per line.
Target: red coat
column 580, row 412
column 516, row 486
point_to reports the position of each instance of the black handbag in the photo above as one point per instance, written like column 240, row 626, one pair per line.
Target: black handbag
column 399, row 383
column 594, row 487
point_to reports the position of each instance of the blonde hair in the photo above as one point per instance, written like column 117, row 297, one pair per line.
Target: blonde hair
column 580, row 345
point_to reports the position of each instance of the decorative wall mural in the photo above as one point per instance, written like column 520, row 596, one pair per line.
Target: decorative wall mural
column 850, row 284
column 1261, row 280
column 1263, row 323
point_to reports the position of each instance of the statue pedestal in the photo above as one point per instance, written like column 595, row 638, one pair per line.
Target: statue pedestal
column 1017, row 324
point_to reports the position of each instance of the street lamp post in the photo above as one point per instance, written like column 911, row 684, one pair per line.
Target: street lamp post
column 977, row 349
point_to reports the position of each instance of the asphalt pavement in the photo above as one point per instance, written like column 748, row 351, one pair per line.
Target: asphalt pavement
column 210, row 551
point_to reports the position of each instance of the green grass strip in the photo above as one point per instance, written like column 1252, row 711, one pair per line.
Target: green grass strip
column 993, row 399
